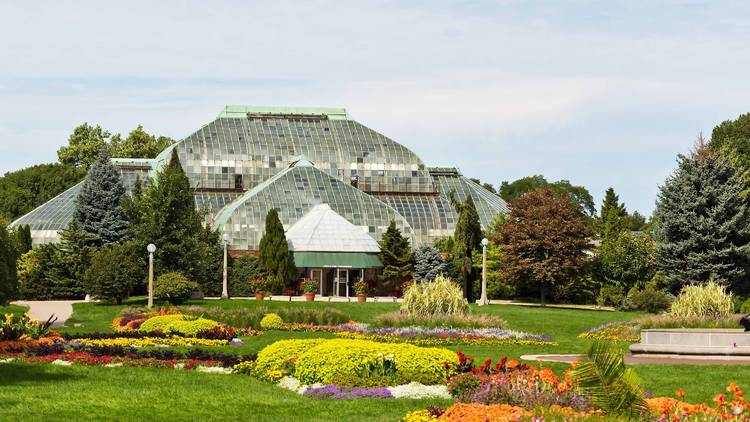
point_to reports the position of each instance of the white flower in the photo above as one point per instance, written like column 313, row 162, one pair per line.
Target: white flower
column 113, row 365
column 214, row 370
column 179, row 366
column 61, row 362
column 416, row 390
column 291, row 384
column 9, row 360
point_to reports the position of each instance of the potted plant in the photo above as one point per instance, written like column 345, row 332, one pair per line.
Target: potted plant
column 360, row 288
column 309, row 287
column 258, row 284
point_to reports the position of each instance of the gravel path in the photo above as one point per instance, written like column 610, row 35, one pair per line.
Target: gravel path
column 41, row 310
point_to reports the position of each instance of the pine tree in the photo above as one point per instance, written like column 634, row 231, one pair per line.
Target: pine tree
column 98, row 206
column 428, row 263
column 467, row 239
column 397, row 258
column 23, row 239
column 273, row 253
column 69, row 262
column 702, row 223
column 612, row 216
column 165, row 215
column 8, row 258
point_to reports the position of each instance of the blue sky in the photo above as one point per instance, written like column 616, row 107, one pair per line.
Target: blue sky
column 600, row 93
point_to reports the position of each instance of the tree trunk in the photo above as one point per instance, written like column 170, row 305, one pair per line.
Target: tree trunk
column 542, row 292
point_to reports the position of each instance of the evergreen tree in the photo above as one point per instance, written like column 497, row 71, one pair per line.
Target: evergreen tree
column 397, row 258
column 273, row 253
column 99, row 204
column 612, row 216
column 545, row 241
column 23, row 239
column 68, row 263
column 428, row 263
column 165, row 215
column 702, row 223
column 8, row 258
column 467, row 239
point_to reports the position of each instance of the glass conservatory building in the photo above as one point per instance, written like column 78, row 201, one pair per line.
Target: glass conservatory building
column 251, row 159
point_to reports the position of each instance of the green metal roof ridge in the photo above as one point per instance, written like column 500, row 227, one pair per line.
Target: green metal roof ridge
column 445, row 168
column 240, row 111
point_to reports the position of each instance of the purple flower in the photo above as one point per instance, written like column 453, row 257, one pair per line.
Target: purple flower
column 344, row 392
column 236, row 342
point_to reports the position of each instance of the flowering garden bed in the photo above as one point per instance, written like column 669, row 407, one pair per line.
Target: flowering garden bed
column 425, row 336
column 614, row 331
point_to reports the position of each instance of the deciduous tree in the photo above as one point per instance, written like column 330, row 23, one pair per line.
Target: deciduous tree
column 545, row 240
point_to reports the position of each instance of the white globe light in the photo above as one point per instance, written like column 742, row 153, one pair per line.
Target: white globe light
column 485, row 242
column 151, row 248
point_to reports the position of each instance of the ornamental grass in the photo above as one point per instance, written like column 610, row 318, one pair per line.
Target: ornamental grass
column 629, row 332
column 672, row 321
column 403, row 319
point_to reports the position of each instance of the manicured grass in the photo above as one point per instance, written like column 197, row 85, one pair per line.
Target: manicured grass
column 171, row 394
column 49, row 393
column 13, row 309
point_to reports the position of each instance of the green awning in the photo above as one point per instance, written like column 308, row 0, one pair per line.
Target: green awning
column 336, row 260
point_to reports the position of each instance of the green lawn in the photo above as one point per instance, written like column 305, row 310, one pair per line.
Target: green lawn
column 12, row 309
column 45, row 392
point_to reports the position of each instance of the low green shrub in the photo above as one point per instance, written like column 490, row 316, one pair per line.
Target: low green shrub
column 271, row 322
column 354, row 362
column 276, row 360
column 174, row 288
column 441, row 296
column 317, row 316
column 647, row 299
column 745, row 307
column 401, row 319
column 610, row 296
column 177, row 323
column 251, row 317
column 709, row 300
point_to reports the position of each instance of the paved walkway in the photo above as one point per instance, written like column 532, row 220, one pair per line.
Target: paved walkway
column 654, row 359
column 41, row 310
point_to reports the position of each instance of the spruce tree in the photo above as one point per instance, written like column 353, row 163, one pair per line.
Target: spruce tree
column 428, row 263
column 69, row 261
column 165, row 215
column 8, row 258
column 703, row 223
column 467, row 239
column 273, row 253
column 612, row 216
column 98, row 206
column 397, row 258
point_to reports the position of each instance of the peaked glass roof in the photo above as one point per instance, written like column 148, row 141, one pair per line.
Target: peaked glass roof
column 323, row 230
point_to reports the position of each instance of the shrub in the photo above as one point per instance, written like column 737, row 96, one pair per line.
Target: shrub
column 309, row 286
column 709, row 300
column 317, row 316
column 610, row 296
column 745, row 307
column 112, row 274
column 276, row 360
column 241, row 270
column 174, row 288
column 271, row 322
column 357, row 360
column 400, row 319
column 441, row 296
column 177, row 323
column 648, row 299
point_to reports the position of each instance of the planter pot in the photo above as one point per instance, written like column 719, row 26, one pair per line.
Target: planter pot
column 361, row 298
column 260, row 295
column 309, row 297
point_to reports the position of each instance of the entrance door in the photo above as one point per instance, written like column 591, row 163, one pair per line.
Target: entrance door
column 342, row 278
column 317, row 275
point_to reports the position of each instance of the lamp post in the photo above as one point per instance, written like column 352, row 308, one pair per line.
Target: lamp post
column 151, row 248
column 483, row 300
column 224, row 287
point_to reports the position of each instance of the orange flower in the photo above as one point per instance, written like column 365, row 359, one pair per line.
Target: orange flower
column 720, row 400
column 680, row 394
column 511, row 364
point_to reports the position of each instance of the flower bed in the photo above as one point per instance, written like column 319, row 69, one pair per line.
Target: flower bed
column 412, row 390
column 614, row 331
column 150, row 341
column 356, row 363
column 462, row 412
column 425, row 336
column 88, row 359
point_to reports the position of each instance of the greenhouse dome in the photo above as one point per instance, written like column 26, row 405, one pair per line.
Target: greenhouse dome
column 251, row 159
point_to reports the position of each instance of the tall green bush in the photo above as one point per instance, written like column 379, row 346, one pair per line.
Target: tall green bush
column 439, row 297
column 113, row 273
column 8, row 258
column 273, row 253
column 174, row 288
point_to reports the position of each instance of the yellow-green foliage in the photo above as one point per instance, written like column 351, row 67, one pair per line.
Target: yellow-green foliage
column 441, row 296
column 177, row 323
column 271, row 322
column 709, row 300
column 245, row 367
column 353, row 360
column 273, row 361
